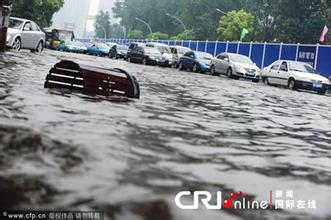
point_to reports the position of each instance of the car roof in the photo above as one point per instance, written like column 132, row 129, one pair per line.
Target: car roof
column 181, row 47
column 20, row 19
column 157, row 44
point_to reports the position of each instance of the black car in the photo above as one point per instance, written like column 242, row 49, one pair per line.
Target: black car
column 122, row 52
column 145, row 55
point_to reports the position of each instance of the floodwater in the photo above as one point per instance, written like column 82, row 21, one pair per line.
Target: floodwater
column 61, row 151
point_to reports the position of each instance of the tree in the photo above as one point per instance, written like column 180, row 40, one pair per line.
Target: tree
column 158, row 36
column 40, row 11
column 102, row 25
column 230, row 26
column 136, row 34
column 189, row 35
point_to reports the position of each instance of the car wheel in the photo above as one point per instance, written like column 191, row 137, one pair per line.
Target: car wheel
column 213, row 70
column 180, row 66
column 17, row 44
column 145, row 61
column 322, row 92
column 291, row 84
column 229, row 73
column 40, row 47
column 265, row 80
column 195, row 68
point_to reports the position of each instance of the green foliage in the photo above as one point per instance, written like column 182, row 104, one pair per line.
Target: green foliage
column 188, row 35
column 283, row 20
column 230, row 26
column 136, row 34
column 40, row 11
column 158, row 36
column 102, row 25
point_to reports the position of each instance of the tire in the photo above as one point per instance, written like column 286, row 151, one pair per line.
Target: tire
column 322, row 92
column 180, row 66
column 213, row 70
column 229, row 73
column 195, row 68
column 145, row 61
column 291, row 84
column 17, row 44
column 40, row 47
column 265, row 80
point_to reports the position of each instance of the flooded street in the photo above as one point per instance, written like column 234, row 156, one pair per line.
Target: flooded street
column 188, row 131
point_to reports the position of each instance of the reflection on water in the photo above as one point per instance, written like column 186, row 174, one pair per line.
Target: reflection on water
column 188, row 132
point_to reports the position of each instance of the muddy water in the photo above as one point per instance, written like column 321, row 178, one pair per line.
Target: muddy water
column 62, row 151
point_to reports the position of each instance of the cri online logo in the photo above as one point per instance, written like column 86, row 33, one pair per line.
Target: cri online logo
column 237, row 200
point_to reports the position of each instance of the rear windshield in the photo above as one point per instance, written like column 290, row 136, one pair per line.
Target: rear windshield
column 203, row 56
column 15, row 24
column 240, row 59
column 302, row 67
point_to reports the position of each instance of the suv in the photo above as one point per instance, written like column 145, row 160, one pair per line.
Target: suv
column 177, row 53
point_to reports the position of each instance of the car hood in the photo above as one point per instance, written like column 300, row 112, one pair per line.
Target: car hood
column 204, row 61
column 246, row 66
column 309, row 76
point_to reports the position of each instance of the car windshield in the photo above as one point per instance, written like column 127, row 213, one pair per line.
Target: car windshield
column 15, row 24
column 164, row 49
column 152, row 51
column 122, row 47
column 240, row 59
column 302, row 67
column 203, row 56
column 77, row 43
column 183, row 50
column 102, row 46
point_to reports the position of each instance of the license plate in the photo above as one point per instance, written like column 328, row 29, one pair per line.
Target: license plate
column 317, row 85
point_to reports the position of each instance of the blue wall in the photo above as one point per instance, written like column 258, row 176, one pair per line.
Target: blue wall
column 262, row 54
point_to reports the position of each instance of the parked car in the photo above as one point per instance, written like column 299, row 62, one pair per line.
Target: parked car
column 177, row 53
column 295, row 75
column 55, row 36
column 145, row 55
column 25, row 34
column 98, row 49
column 122, row 52
column 195, row 61
column 235, row 66
column 133, row 45
column 72, row 46
column 165, row 51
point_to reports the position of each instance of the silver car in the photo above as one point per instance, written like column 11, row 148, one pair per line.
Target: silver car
column 177, row 53
column 235, row 66
column 25, row 34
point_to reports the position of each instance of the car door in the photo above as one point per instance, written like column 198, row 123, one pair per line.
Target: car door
column 185, row 59
column 272, row 73
column 223, row 63
column 283, row 74
column 27, row 35
column 190, row 60
column 36, row 35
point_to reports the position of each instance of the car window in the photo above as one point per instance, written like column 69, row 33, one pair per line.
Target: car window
column 27, row 26
column 275, row 66
column 284, row 67
column 302, row 67
column 35, row 26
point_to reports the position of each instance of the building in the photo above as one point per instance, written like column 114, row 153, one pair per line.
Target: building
column 73, row 15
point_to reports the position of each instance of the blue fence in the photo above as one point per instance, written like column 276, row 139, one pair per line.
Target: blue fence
column 263, row 54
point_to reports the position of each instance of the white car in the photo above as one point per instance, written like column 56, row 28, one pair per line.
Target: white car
column 235, row 66
column 295, row 75
column 25, row 34
column 177, row 53
column 164, row 50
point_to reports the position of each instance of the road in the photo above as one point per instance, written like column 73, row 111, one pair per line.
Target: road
column 187, row 132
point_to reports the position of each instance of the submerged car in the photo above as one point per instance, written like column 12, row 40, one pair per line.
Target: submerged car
column 25, row 34
column 122, row 52
column 235, row 66
column 177, row 53
column 145, row 55
column 295, row 75
column 195, row 61
column 164, row 50
column 98, row 49
column 72, row 46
